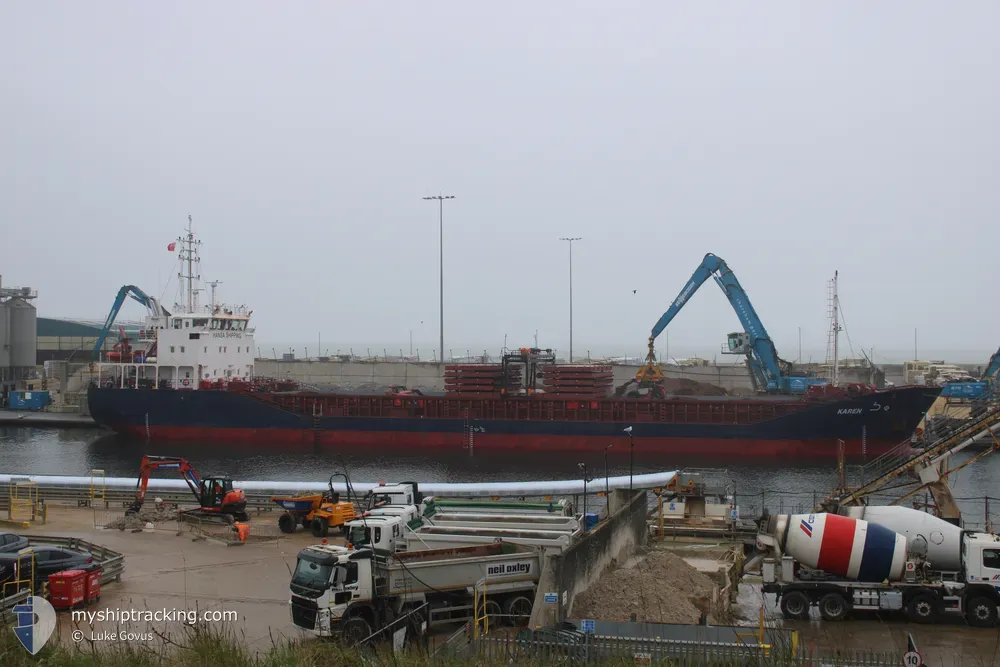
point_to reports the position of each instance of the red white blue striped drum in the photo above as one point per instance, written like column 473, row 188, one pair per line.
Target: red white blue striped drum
column 843, row 546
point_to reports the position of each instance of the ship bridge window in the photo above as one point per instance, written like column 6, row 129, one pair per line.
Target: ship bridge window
column 201, row 322
column 177, row 323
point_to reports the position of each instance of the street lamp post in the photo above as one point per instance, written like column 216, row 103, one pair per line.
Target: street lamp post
column 440, row 200
column 631, row 451
column 570, row 239
column 583, row 467
column 607, row 483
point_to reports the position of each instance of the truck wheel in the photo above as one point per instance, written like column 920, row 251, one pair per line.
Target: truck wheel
column 795, row 606
column 355, row 630
column 286, row 523
column 518, row 610
column 981, row 612
column 320, row 527
column 494, row 612
column 833, row 607
column 922, row 608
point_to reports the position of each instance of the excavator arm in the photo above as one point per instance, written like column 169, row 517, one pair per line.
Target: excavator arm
column 151, row 463
column 767, row 369
column 151, row 304
column 992, row 369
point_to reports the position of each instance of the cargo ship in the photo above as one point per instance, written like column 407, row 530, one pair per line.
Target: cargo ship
column 191, row 376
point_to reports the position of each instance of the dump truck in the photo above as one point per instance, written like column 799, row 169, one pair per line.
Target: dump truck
column 842, row 564
column 337, row 591
column 440, row 537
column 490, row 520
column 433, row 505
column 392, row 533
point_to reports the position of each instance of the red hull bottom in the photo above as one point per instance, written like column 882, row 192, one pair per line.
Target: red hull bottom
column 307, row 440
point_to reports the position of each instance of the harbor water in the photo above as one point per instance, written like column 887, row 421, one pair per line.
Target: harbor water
column 779, row 487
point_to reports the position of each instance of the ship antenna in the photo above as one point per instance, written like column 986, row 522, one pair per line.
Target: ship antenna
column 214, row 284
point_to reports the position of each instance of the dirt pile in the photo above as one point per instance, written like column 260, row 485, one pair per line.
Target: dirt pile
column 687, row 387
column 657, row 587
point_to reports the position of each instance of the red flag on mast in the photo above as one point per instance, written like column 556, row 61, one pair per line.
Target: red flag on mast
column 171, row 247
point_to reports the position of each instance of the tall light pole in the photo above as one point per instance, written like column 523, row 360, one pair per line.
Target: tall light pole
column 583, row 467
column 570, row 239
column 440, row 200
column 607, row 483
column 631, row 450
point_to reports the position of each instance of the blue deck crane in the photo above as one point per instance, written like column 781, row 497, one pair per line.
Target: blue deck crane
column 768, row 371
column 151, row 304
column 992, row 369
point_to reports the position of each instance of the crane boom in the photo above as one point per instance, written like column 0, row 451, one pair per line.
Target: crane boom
column 151, row 304
column 769, row 371
column 992, row 369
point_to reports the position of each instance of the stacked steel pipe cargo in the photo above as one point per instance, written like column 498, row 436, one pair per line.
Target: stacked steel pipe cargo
column 578, row 381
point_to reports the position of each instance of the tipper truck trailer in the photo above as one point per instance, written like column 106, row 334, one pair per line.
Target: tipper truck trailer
column 842, row 564
column 353, row 593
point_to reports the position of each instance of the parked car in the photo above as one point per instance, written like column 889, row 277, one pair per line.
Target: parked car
column 48, row 560
column 11, row 543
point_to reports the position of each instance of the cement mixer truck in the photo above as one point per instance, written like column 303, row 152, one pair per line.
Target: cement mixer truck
column 842, row 564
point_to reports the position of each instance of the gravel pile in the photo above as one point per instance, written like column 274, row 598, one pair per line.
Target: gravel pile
column 657, row 586
column 152, row 515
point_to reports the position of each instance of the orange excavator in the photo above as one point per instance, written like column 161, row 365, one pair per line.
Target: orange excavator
column 216, row 496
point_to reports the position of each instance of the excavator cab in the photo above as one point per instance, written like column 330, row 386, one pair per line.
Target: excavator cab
column 218, row 495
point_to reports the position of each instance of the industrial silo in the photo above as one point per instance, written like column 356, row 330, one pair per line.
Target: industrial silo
column 23, row 333
column 18, row 337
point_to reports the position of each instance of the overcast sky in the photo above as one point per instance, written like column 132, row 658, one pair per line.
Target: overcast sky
column 792, row 139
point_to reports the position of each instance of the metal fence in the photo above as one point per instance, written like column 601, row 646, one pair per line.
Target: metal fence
column 575, row 648
column 112, row 566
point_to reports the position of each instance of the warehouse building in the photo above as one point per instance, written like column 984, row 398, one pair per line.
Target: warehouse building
column 74, row 340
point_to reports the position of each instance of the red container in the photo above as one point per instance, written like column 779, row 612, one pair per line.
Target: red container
column 92, row 588
column 66, row 588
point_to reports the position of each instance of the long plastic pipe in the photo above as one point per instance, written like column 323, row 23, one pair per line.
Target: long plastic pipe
column 501, row 489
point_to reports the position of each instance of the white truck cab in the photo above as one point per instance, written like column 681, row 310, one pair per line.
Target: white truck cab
column 402, row 494
column 382, row 533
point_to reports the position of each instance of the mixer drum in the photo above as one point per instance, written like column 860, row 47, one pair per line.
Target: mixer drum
column 845, row 547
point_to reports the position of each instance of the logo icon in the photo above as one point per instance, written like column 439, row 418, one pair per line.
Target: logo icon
column 36, row 619
column 806, row 528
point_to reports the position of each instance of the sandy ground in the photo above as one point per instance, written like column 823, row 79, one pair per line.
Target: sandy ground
column 164, row 570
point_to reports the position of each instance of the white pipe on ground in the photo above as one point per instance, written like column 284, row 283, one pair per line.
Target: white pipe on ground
column 470, row 489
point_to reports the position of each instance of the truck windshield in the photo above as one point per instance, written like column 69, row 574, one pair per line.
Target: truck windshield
column 359, row 535
column 311, row 575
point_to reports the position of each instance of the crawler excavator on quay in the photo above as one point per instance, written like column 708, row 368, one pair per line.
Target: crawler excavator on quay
column 217, row 499
column 768, row 372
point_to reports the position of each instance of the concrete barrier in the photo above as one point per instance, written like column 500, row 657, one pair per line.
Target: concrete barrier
column 576, row 569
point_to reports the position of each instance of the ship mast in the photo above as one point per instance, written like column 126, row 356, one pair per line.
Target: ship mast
column 189, row 254
column 833, row 339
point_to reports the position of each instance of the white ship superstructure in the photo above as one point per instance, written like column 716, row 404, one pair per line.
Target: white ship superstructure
column 188, row 347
